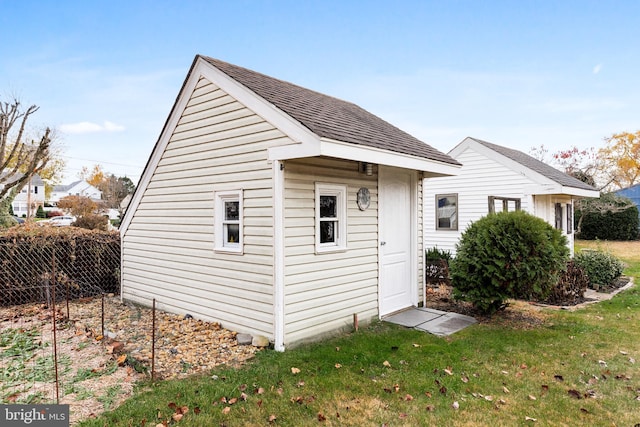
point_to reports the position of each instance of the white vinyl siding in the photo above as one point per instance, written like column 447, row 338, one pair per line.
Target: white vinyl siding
column 323, row 291
column 218, row 145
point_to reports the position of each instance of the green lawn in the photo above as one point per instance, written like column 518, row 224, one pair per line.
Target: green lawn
column 576, row 368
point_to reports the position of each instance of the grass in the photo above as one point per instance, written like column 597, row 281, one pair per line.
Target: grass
column 578, row 368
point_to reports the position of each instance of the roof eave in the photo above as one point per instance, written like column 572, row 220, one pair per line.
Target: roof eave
column 343, row 150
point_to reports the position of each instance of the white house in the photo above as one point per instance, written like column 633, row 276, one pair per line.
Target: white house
column 31, row 194
column 277, row 210
column 493, row 179
column 76, row 188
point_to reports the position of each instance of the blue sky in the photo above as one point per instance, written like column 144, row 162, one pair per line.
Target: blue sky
column 517, row 73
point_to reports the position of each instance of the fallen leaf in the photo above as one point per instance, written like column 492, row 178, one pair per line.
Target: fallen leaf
column 337, row 348
column 177, row 417
column 172, row 406
column 530, row 419
column 233, row 400
column 602, row 363
column 523, row 366
column 226, row 410
column 260, row 390
column 532, row 397
column 464, row 378
column 443, row 390
column 386, row 364
column 489, row 398
column 558, row 378
column 243, row 396
column 505, row 372
column 396, row 387
column 505, row 389
column 402, row 416
column 338, row 366
column 300, row 384
column 416, row 345
column 584, row 410
column 295, row 371
column 121, row 359
column 455, row 405
column 272, row 418
column 428, row 394
column 448, row 371
column 624, row 353
column 502, row 402
column 632, row 360
column 431, row 408
column 575, row 394
column 196, row 410
column 321, row 417
column 242, row 387
column 408, row 398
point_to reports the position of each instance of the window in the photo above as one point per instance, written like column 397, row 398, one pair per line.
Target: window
column 503, row 204
column 447, row 212
column 228, row 221
column 569, row 218
column 558, row 215
column 331, row 217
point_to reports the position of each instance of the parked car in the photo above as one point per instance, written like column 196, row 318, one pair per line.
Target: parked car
column 59, row 221
column 20, row 220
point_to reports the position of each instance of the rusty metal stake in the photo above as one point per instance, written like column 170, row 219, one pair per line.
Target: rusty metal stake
column 55, row 341
column 102, row 331
column 355, row 321
column 153, row 340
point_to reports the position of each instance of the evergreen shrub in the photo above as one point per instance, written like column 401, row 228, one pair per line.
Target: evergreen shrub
column 507, row 255
column 602, row 268
column 609, row 217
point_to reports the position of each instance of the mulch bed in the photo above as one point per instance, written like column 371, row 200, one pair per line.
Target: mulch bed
column 517, row 314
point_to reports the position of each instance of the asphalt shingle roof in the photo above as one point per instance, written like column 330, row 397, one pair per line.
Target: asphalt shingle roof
column 538, row 166
column 330, row 117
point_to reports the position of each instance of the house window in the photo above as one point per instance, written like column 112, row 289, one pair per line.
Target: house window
column 569, row 218
column 447, row 212
column 228, row 221
column 503, row 204
column 558, row 216
column 331, row 217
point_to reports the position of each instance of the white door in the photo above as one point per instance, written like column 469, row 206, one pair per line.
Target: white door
column 396, row 218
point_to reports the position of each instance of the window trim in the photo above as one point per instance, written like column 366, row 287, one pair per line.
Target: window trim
column 558, row 215
column 340, row 191
column 505, row 203
column 219, row 220
column 441, row 196
column 569, row 207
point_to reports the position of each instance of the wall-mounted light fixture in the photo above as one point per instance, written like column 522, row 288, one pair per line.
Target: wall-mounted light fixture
column 366, row 168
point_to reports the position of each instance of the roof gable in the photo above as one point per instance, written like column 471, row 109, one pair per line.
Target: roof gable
column 330, row 117
column 530, row 163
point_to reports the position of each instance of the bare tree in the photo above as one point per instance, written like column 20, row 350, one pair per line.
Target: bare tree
column 19, row 160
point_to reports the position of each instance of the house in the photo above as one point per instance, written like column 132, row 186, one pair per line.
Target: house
column 76, row 188
column 32, row 194
column 632, row 193
column 276, row 210
column 494, row 179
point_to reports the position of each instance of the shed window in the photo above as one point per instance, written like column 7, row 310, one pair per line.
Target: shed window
column 331, row 217
column 503, row 204
column 558, row 216
column 447, row 212
column 228, row 221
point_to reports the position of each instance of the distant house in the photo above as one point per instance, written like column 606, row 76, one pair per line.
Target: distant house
column 77, row 188
column 31, row 194
column 276, row 210
column 632, row 193
column 494, row 179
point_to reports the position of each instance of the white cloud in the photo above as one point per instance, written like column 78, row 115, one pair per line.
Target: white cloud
column 597, row 69
column 88, row 127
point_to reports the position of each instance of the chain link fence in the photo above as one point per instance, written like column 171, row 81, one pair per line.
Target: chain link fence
column 64, row 266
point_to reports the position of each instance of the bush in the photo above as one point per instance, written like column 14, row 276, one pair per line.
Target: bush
column 92, row 222
column 437, row 266
column 572, row 284
column 507, row 255
column 602, row 268
column 610, row 217
column 40, row 213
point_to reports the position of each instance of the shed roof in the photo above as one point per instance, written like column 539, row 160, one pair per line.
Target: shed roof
column 537, row 166
column 330, row 117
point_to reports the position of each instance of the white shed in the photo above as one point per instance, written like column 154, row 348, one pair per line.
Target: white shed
column 277, row 210
column 493, row 179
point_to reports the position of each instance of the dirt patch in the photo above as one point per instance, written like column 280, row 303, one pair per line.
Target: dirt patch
column 98, row 370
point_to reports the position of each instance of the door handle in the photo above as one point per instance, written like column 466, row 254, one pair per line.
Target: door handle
column 383, row 243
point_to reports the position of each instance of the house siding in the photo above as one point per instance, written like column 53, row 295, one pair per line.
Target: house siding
column 324, row 291
column 480, row 178
column 168, row 248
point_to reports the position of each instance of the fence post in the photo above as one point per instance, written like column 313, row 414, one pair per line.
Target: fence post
column 102, row 330
column 153, row 340
column 55, row 341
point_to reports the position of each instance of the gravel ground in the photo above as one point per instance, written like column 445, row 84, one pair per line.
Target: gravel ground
column 98, row 371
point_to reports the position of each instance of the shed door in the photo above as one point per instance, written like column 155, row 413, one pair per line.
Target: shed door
column 395, row 250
